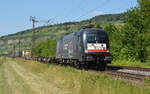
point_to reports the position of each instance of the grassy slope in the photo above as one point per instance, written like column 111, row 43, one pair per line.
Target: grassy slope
column 18, row 76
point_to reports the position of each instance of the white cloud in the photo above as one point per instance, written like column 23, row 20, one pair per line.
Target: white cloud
column 95, row 13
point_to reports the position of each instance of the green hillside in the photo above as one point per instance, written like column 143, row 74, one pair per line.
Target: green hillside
column 8, row 42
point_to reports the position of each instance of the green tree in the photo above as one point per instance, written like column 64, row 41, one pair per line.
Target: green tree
column 136, row 31
column 115, row 40
column 98, row 26
column 46, row 48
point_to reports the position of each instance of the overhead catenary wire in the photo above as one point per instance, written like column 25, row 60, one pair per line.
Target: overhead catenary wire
column 121, row 7
column 99, row 6
column 73, row 10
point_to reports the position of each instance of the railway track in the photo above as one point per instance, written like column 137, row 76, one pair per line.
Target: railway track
column 133, row 78
column 112, row 67
column 126, row 75
column 133, row 74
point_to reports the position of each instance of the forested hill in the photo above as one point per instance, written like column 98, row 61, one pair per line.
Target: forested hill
column 8, row 42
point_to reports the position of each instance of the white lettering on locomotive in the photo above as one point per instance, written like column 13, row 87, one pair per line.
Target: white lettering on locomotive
column 96, row 46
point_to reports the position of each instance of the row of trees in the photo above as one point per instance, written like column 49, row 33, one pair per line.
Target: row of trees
column 132, row 40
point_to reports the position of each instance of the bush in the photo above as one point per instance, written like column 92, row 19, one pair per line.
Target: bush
column 47, row 48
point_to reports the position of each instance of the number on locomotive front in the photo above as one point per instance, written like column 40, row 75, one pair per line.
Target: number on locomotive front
column 96, row 43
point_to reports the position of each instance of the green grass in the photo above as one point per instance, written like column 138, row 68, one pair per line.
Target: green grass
column 2, row 59
column 2, row 85
column 1, row 62
column 80, row 81
column 132, row 63
column 8, row 75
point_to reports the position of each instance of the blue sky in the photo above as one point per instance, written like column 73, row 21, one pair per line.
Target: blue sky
column 14, row 14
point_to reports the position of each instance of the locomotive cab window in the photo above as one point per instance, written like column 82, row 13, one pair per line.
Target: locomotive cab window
column 96, row 38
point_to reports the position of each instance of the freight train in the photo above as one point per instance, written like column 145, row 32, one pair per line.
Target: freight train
column 87, row 47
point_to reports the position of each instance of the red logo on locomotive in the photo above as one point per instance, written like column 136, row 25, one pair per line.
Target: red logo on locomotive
column 70, row 44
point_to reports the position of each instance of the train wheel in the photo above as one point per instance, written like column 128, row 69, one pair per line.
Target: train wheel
column 77, row 64
column 72, row 63
column 102, row 66
column 85, row 65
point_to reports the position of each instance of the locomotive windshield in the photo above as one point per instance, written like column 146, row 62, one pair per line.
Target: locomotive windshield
column 96, row 38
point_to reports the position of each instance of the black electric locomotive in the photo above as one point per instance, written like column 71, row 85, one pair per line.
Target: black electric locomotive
column 87, row 47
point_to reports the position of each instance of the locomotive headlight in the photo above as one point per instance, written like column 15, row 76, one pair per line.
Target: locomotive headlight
column 86, row 51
